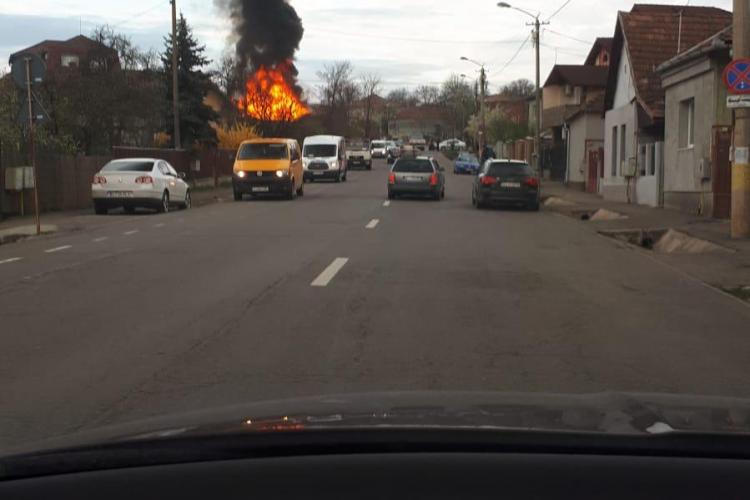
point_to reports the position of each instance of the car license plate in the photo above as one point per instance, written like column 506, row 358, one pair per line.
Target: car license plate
column 414, row 179
column 261, row 189
column 514, row 185
column 119, row 194
column 316, row 172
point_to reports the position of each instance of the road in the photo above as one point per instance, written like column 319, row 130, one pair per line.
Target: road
column 157, row 314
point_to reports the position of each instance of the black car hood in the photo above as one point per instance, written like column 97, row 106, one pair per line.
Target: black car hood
column 603, row 413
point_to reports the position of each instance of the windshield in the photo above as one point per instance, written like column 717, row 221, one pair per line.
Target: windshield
column 263, row 151
column 214, row 233
column 413, row 166
column 128, row 166
column 320, row 151
column 508, row 169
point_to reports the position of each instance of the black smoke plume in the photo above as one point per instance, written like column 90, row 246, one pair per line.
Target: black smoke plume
column 268, row 32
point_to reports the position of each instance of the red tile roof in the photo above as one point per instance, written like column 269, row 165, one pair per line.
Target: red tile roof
column 651, row 34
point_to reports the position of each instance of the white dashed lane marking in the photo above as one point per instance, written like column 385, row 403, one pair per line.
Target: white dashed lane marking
column 130, row 233
column 99, row 240
column 161, row 224
column 58, row 249
column 373, row 224
column 8, row 261
column 330, row 272
column 387, row 203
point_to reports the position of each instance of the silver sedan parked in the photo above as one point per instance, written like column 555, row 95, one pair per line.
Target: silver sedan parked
column 420, row 176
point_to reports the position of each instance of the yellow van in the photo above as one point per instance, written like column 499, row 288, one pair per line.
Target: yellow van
column 268, row 166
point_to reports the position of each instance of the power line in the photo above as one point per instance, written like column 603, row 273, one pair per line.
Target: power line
column 563, row 51
column 406, row 39
column 587, row 42
column 510, row 61
column 559, row 9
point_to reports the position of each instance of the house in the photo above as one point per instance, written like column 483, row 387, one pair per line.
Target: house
column 698, row 128
column 513, row 107
column 644, row 38
column 571, row 92
column 78, row 52
column 418, row 122
column 600, row 53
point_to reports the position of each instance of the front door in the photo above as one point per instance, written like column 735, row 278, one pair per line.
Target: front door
column 592, row 179
column 722, row 172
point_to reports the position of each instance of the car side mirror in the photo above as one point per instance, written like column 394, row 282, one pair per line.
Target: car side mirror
column 182, row 175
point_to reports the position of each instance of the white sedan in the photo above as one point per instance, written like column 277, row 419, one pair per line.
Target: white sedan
column 139, row 182
column 455, row 144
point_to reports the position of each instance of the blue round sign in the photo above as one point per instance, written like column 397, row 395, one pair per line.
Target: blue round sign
column 737, row 76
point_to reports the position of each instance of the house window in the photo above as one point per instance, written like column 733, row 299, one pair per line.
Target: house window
column 623, row 144
column 614, row 151
column 68, row 60
column 687, row 123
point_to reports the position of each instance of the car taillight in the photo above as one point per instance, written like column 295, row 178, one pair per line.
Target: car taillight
column 488, row 180
column 392, row 179
column 532, row 182
column 144, row 179
column 434, row 180
column 99, row 179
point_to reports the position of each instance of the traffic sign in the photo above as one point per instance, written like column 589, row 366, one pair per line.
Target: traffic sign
column 738, row 101
column 737, row 76
column 18, row 69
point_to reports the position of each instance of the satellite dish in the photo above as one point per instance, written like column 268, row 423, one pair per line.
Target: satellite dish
column 18, row 69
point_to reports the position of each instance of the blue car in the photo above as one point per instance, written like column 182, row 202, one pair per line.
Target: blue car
column 466, row 163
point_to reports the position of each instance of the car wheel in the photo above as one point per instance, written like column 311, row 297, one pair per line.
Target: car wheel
column 391, row 196
column 164, row 205
column 442, row 194
column 301, row 190
column 338, row 177
column 369, row 166
column 129, row 209
column 237, row 196
column 534, row 207
column 100, row 209
column 188, row 203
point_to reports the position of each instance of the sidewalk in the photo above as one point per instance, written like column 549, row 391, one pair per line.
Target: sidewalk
column 16, row 228
column 726, row 267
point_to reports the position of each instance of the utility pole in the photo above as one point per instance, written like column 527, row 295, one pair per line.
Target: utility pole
column 483, row 126
column 175, row 85
column 32, row 147
column 538, row 121
column 741, row 164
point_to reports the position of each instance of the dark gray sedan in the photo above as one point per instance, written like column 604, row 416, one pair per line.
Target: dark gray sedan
column 420, row 176
column 506, row 182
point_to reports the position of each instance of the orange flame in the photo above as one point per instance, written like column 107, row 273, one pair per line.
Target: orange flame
column 269, row 97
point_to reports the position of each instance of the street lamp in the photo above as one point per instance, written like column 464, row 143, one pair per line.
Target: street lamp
column 482, row 85
column 538, row 124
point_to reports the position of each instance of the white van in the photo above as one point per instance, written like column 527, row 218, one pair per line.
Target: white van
column 324, row 157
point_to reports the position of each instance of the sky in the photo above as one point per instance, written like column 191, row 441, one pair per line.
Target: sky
column 406, row 43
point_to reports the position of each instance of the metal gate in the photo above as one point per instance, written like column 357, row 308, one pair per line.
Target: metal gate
column 722, row 172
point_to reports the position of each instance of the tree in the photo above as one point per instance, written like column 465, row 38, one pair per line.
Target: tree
column 337, row 93
column 518, row 88
column 427, row 94
column 460, row 102
column 370, row 85
column 193, row 84
column 402, row 97
column 227, row 75
column 499, row 127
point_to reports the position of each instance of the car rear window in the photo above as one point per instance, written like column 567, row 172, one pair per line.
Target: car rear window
column 413, row 166
column 508, row 169
column 467, row 157
column 319, row 151
column 263, row 151
column 128, row 166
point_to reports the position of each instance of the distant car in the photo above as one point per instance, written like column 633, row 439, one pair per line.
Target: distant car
column 419, row 144
column 358, row 155
column 139, row 183
column 466, row 163
column 378, row 149
column 416, row 176
column 452, row 144
column 506, row 182
column 324, row 157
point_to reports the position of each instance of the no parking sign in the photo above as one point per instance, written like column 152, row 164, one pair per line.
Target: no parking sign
column 737, row 76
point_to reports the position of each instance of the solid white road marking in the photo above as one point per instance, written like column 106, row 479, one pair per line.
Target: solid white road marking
column 99, row 240
column 373, row 224
column 161, row 224
column 12, row 259
column 58, row 249
column 387, row 203
column 330, row 272
column 130, row 233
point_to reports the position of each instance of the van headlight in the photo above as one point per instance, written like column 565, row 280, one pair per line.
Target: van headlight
column 281, row 173
column 333, row 164
column 241, row 174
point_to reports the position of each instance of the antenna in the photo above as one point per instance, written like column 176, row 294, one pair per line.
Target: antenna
column 679, row 34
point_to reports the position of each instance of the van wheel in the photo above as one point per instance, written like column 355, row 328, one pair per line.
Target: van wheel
column 338, row 177
column 301, row 190
column 346, row 172
column 100, row 209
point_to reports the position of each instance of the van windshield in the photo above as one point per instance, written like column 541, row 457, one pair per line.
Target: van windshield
column 320, row 151
column 378, row 144
column 263, row 151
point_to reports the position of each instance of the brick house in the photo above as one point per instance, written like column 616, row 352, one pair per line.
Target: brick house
column 634, row 120
column 78, row 52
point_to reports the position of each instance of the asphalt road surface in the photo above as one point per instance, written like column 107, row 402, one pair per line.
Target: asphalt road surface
column 338, row 292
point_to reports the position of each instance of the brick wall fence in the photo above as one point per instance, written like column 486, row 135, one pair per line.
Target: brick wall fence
column 65, row 181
